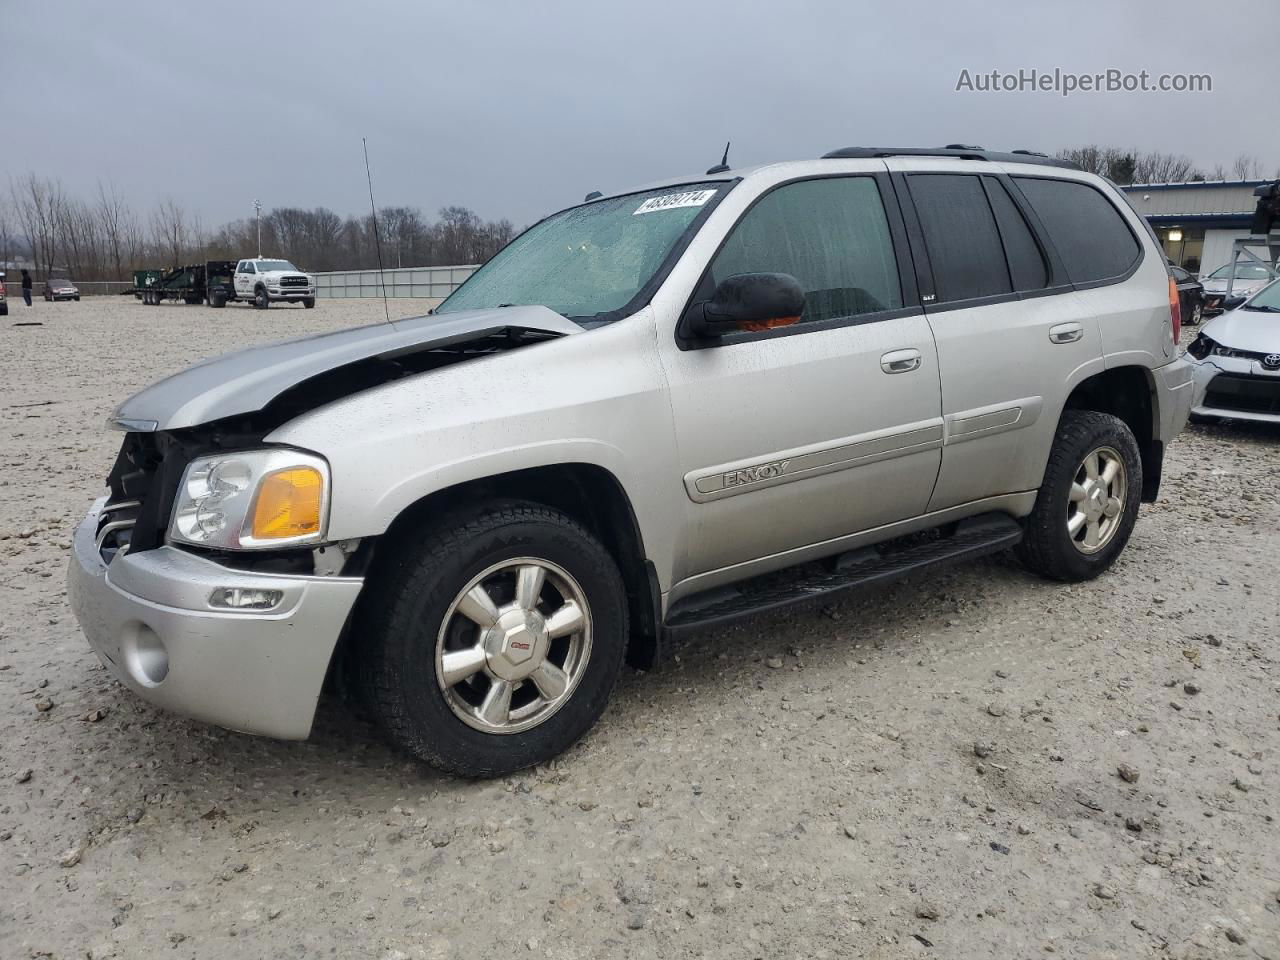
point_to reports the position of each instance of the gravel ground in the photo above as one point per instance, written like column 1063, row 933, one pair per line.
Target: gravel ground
column 976, row 764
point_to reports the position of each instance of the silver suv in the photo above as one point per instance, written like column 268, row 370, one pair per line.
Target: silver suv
column 652, row 411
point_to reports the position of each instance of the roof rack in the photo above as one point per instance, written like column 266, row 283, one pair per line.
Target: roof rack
column 958, row 151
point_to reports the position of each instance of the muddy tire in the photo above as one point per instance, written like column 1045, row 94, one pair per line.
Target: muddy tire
column 1088, row 503
column 493, row 641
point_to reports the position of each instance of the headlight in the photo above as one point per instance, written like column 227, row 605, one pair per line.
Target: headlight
column 1200, row 347
column 253, row 500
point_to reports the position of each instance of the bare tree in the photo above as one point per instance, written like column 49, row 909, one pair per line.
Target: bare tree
column 170, row 231
column 1246, row 167
column 38, row 203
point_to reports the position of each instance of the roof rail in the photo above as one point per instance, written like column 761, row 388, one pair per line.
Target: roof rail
column 958, row 151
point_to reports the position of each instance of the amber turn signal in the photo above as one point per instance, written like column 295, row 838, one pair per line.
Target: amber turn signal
column 288, row 504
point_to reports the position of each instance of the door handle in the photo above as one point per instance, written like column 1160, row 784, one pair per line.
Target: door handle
column 900, row 361
column 1066, row 333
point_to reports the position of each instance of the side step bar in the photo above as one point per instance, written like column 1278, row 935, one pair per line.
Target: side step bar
column 975, row 537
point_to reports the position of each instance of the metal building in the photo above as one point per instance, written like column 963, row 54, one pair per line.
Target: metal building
column 1197, row 222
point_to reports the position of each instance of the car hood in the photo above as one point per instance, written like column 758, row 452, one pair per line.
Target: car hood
column 1239, row 287
column 1253, row 330
column 247, row 380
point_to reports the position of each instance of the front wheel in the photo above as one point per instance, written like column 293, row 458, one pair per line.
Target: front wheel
column 260, row 299
column 493, row 643
column 309, row 303
column 1088, row 503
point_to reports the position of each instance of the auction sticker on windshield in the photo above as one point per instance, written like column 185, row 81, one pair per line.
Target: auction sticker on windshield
column 691, row 198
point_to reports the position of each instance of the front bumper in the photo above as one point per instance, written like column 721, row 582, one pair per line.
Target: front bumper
column 291, row 293
column 148, row 618
column 1248, row 390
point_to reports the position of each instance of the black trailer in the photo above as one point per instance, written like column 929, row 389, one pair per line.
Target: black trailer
column 211, row 282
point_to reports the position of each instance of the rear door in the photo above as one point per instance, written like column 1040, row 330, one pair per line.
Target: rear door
column 1011, row 333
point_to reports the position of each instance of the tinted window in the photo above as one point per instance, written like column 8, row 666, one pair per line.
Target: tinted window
column 1092, row 238
column 1026, row 262
column 831, row 235
column 960, row 234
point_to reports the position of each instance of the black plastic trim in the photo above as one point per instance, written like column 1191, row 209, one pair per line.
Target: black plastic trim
column 974, row 537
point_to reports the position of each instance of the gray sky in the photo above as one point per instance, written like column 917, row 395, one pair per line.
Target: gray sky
column 519, row 108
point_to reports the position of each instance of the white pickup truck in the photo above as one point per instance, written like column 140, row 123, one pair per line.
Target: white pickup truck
column 264, row 282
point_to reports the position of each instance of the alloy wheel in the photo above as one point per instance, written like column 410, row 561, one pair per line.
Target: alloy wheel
column 513, row 645
column 1096, row 500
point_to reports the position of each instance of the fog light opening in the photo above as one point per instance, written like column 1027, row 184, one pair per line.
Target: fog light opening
column 145, row 656
column 245, row 598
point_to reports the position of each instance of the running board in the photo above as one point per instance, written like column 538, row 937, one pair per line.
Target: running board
column 975, row 537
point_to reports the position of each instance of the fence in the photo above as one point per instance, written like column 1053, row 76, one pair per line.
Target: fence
column 428, row 283
column 433, row 283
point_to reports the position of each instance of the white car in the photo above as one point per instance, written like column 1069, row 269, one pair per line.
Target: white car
column 264, row 282
column 1236, row 359
column 1250, row 278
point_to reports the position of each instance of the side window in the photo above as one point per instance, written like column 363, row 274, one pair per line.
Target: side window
column 1092, row 237
column 1026, row 261
column 831, row 235
column 960, row 235
column 242, row 267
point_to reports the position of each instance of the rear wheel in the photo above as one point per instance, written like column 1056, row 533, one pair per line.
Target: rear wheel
column 1088, row 503
column 217, row 299
column 1197, row 314
column 260, row 298
column 493, row 643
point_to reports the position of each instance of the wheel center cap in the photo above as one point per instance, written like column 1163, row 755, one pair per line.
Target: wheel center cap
column 516, row 645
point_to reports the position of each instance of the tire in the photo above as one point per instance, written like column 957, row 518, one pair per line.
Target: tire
column 4, row 309
column 409, row 620
column 77, row 298
column 309, row 302
column 217, row 299
column 1047, row 546
column 260, row 299
column 1197, row 315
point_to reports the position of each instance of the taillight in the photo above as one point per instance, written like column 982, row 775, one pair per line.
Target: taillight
column 1175, row 310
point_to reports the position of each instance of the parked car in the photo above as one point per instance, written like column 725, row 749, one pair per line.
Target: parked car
column 4, row 303
column 264, row 282
column 1190, row 295
column 1249, row 278
column 60, row 288
column 653, row 411
column 1236, row 359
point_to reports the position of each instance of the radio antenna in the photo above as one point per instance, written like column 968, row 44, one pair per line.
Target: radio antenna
column 377, row 240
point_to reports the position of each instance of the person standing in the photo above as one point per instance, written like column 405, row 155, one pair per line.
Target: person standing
column 26, row 287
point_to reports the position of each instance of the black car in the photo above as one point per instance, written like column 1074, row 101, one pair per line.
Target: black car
column 1190, row 296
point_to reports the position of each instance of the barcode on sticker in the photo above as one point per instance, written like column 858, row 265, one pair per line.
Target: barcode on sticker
column 692, row 198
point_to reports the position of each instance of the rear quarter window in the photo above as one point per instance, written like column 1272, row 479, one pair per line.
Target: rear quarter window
column 1092, row 238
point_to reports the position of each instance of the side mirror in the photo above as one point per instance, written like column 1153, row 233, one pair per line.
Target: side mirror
column 1232, row 302
column 747, row 301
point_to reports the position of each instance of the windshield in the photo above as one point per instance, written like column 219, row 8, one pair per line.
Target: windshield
column 1244, row 271
column 1268, row 299
column 588, row 260
column 266, row 265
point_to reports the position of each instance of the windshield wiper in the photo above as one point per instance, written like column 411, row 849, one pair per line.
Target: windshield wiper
column 1261, row 308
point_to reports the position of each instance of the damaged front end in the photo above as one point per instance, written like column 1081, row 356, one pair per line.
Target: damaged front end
column 232, row 403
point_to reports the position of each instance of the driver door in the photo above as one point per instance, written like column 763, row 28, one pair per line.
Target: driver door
column 245, row 275
column 795, row 436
